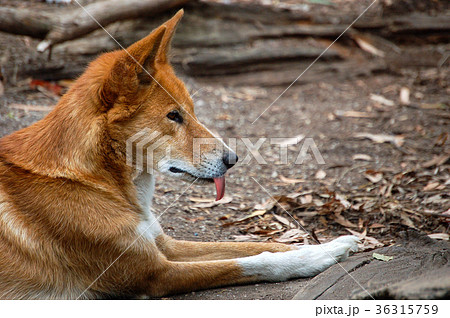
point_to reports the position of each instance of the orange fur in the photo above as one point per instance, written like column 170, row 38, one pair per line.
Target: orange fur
column 68, row 203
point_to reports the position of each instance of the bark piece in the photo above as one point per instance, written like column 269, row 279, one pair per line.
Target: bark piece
column 420, row 269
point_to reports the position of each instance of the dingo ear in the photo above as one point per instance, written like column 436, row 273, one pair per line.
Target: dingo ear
column 139, row 60
column 171, row 26
column 131, row 67
column 144, row 53
column 153, row 49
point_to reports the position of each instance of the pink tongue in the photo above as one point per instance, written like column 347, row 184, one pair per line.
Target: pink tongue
column 220, row 187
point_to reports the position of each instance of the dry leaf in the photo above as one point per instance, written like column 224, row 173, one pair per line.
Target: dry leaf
column 361, row 236
column 382, row 100
column 253, row 214
column 343, row 201
column 275, row 226
column 404, row 96
column 249, row 237
column 294, row 195
column 318, row 202
column 441, row 139
column 368, row 47
column 320, row 174
column 373, row 176
column 360, row 156
column 202, row 200
column 354, row 114
column 371, row 243
column 397, row 140
column 382, row 257
column 406, row 220
column 388, row 190
column 223, row 117
column 283, row 220
column 439, row 236
column 292, row 236
column 226, row 199
column 433, row 106
column 306, row 199
column 58, row 1
column 368, row 242
column 267, row 205
column 249, row 93
column 193, row 220
column 66, row 82
column 35, row 108
column 435, row 199
column 291, row 141
column 290, row 181
column 285, row 202
column 343, row 221
column 431, row 186
column 46, row 87
column 436, row 161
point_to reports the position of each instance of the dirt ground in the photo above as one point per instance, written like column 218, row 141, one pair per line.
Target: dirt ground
column 370, row 184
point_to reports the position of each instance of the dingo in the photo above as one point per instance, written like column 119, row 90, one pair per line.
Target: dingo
column 70, row 205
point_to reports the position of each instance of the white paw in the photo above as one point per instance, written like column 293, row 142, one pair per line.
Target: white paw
column 347, row 239
column 304, row 262
column 323, row 256
column 350, row 241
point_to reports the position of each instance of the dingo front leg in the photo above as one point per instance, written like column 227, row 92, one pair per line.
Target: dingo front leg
column 185, row 251
column 306, row 261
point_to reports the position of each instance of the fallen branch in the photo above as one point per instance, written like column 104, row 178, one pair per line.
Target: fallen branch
column 25, row 22
column 34, row 108
column 54, row 29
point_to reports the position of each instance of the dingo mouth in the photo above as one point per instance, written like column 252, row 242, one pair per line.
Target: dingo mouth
column 218, row 181
column 190, row 175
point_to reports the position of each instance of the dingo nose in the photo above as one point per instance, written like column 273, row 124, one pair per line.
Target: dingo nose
column 229, row 159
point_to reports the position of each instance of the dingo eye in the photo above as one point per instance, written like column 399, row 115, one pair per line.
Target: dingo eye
column 175, row 116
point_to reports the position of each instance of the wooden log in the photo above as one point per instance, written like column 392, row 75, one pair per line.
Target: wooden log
column 100, row 14
column 260, row 55
column 68, row 25
column 211, row 24
column 283, row 73
column 418, row 23
column 25, row 22
column 218, row 39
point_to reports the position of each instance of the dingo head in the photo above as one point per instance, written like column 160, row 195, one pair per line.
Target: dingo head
column 139, row 92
